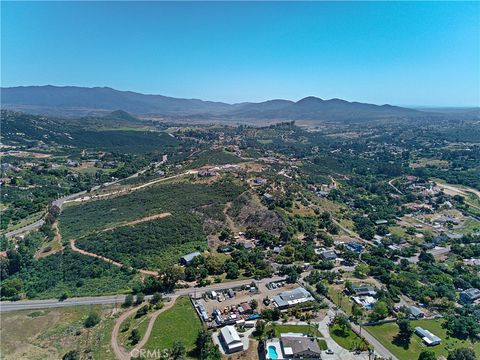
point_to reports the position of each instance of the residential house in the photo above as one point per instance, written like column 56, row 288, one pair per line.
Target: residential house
column 186, row 260
column 293, row 297
column 328, row 255
column 355, row 247
column 470, row 296
column 364, row 290
column 299, row 346
column 230, row 339
column 415, row 312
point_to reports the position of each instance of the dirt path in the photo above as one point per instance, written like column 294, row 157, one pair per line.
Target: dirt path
column 55, row 244
column 83, row 252
column 394, row 187
column 118, row 349
column 142, row 220
column 459, row 189
column 229, row 220
column 153, row 318
column 129, row 190
column 113, row 262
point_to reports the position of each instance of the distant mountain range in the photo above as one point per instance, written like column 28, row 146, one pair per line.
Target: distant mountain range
column 81, row 101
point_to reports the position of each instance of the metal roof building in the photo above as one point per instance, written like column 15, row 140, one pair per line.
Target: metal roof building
column 429, row 338
column 187, row 259
column 292, row 297
column 230, row 339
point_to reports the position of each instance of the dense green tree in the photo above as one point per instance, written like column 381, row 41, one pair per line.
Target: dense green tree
column 92, row 320
column 379, row 311
column 128, row 300
column 427, row 355
column 178, row 350
column 139, row 298
column 405, row 332
column 462, row 354
column 71, row 355
column 134, row 337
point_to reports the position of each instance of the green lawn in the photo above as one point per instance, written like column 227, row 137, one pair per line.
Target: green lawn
column 385, row 333
column 178, row 323
column 303, row 329
column 350, row 342
column 323, row 344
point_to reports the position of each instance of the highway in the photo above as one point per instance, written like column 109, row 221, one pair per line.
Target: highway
column 116, row 299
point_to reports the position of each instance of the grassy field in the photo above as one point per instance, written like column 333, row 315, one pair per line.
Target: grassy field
column 214, row 157
column 303, row 329
column 49, row 334
column 470, row 225
column 385, row 333
column 181, row 322
column 350, row 342
column 340, row 299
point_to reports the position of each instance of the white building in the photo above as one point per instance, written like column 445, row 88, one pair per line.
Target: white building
column 429, row 338
column 230, row 339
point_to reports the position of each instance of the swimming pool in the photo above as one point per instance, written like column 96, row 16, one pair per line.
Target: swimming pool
column 272, row 352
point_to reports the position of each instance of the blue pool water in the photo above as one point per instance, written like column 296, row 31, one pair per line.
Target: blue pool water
column 272, row 352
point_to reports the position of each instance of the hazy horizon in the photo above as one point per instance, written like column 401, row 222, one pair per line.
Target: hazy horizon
column 405, row 54
column 413, row 106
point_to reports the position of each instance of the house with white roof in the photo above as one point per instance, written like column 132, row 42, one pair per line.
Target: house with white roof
column 293, row 297
column 230, row 339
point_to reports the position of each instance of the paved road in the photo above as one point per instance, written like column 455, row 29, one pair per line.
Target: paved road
column 59, row 202
column 29, row 227
column 39, row 223
column 117, row 299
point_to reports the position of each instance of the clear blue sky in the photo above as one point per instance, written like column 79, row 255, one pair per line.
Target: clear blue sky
column 399, row 53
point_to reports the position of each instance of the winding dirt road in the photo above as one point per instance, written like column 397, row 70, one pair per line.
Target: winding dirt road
column 113, row 262
column 119, row 350
column 74, row 247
